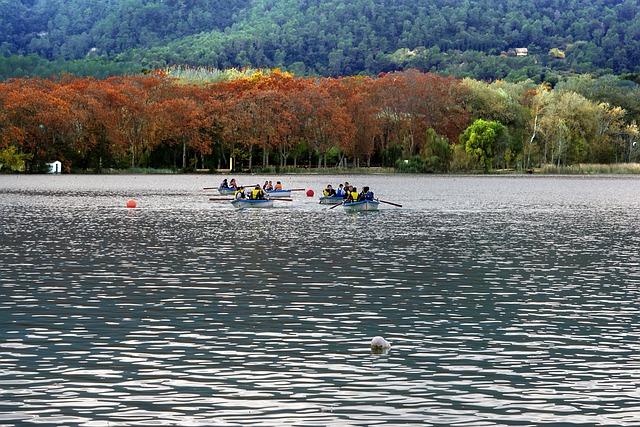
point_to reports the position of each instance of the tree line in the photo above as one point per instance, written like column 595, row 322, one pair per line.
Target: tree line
column 414, row 121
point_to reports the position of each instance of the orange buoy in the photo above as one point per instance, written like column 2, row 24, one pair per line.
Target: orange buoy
column 309, row 193
column 131, row 203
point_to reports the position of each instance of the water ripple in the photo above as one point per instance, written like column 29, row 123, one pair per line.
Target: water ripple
column 507, row 302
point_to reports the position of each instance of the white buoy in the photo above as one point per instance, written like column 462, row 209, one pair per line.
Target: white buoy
column 379, row 343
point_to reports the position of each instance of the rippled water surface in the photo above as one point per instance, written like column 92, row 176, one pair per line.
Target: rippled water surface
column 508, row 301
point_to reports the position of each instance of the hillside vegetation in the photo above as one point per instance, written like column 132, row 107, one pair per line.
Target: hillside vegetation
column 477, row 39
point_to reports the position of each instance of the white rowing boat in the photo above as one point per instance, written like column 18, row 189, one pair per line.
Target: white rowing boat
column 226, row 191
column 363, row 205
column 331, row 200
column 252, row 203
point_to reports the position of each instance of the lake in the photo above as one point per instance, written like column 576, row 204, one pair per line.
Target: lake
column 507, row 300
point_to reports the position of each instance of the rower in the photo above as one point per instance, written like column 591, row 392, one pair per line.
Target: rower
column 329, row 191
column 239, row 194
column 257, row 193
column 352, row 194
column 365, row 194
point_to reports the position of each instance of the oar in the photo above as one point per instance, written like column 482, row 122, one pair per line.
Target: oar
column 277, row 199
column 390, row 203
column 335, row 206
column 297, row 189
column 215, row 188
column 219, row 198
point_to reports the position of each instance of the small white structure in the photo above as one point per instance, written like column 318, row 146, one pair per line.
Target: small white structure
column 55, row 167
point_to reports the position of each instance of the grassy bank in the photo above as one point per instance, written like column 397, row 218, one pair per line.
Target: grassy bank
column 579, row 169
column 591, row 169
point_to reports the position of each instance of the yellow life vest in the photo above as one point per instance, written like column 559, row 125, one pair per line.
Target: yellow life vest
column 257, row 194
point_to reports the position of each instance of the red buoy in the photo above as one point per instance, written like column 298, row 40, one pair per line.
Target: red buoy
column 309, row 193
column 131, row 203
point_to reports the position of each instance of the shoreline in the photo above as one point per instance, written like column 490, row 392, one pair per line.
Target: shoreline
column 579, row 169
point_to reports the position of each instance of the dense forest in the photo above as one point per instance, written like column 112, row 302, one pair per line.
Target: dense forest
column 480, row 39
column 410, row 120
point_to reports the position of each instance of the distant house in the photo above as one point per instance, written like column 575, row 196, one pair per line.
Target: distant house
column 55, row 167
column 522, row 51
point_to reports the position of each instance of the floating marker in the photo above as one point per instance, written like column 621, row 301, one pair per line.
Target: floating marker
column 309, row 193
column 131, row 203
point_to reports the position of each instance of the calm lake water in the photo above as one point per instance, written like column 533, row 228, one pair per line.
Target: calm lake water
column 508, row 301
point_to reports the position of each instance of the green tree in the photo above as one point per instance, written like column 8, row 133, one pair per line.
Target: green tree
column 12, row 160
column 479, row 140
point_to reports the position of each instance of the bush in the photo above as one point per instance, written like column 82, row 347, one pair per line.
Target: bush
column 415, row 164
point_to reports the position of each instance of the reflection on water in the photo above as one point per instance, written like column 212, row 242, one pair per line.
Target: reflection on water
column 507, row 301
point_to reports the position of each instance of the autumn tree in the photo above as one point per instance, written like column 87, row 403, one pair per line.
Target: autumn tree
column 612, row 140
column 411, row 102
column 43, row 118
column 327, row 124
column 568, row 128
column 355, row 96
column 11, row 138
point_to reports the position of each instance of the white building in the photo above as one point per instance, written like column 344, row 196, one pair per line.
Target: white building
column 55, row 167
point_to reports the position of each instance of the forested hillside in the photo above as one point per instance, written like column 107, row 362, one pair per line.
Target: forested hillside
column 477, row 39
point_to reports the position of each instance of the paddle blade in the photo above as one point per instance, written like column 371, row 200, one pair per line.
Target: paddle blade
column 220, row 198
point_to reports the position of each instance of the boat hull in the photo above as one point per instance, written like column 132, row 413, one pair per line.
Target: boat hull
column 275, row 194
column 330, row 200
column 252, row 204
column 226, row 191
column 364, row 205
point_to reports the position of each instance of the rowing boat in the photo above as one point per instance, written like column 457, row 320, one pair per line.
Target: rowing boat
column 330, row 200
column 363, row 205
column 252, row 203
column 274, row 194
column 225, row 191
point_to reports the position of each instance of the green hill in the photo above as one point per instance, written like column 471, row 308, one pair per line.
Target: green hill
column 478, row 39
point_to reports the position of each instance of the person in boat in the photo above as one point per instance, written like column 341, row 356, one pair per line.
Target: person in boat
column 270, row 186
column 233, row 184
column 347, row 189
column 224, row 184
column 278, row 186
column 265, row 187
column 239, row 194
column 352, row 195
column 365, row 194
column 340, row 191
column 257, row 193
column 329, row 191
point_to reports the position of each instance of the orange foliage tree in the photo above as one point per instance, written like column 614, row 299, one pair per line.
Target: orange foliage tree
column 91, row 124
column 44, row 120
column 411, row 102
